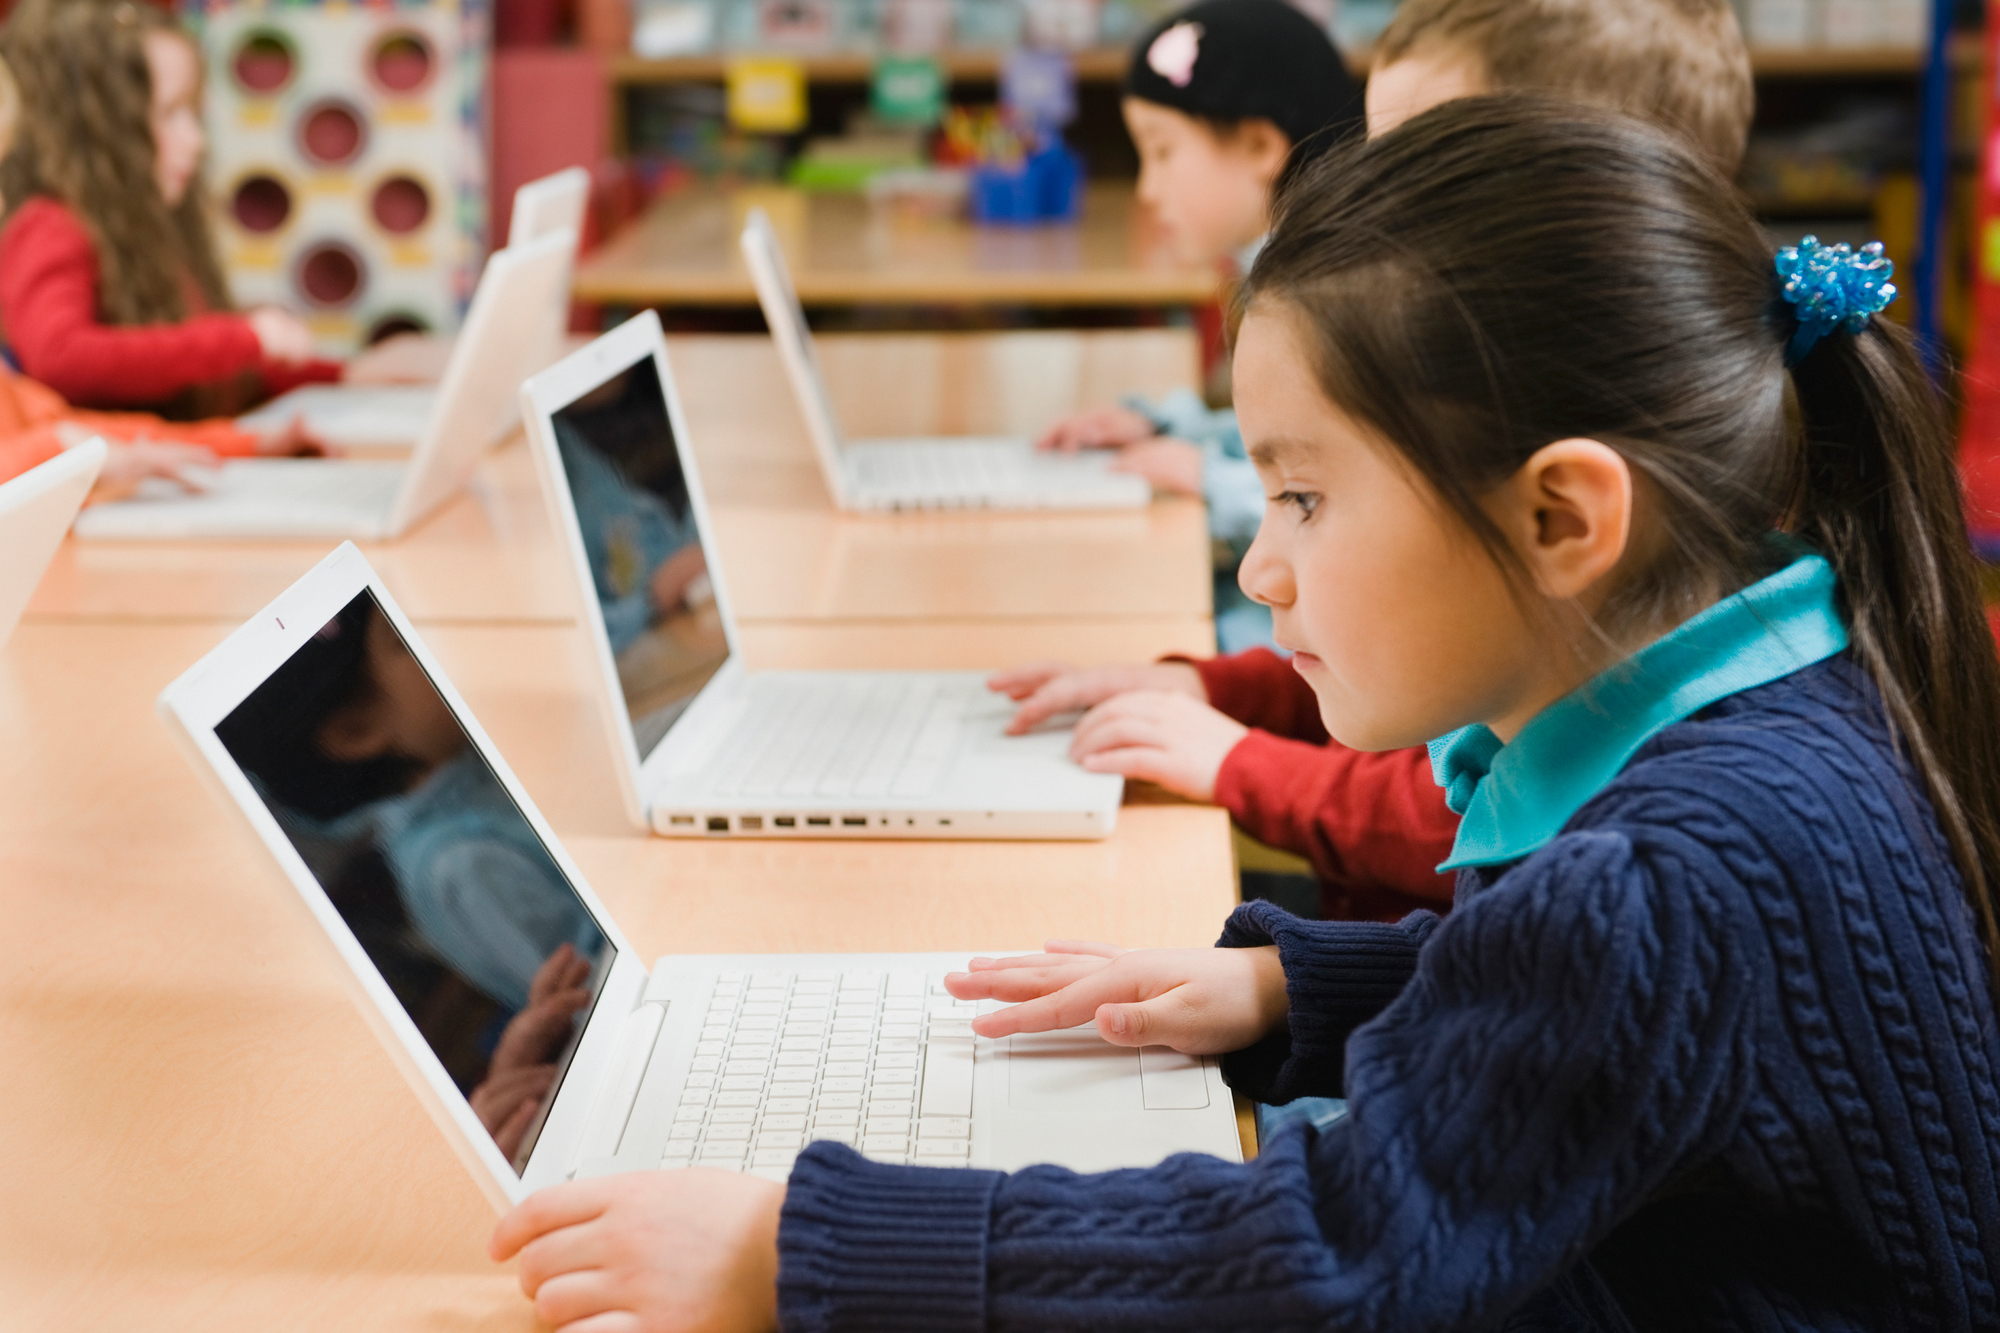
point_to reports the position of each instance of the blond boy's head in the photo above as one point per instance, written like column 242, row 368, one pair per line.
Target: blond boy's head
column 1680, row 63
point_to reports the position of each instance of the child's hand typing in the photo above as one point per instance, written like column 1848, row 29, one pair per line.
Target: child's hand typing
column 1157, row 736
column 1045, row 689
column 1171, row 465
column 1098, row 428
column 693, row 1250
column 280, row 334
column 127, row 465
column 1197, row 1001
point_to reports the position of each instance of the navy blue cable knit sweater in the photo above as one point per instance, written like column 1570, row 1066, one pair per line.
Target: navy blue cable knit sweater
column 1720, row 1056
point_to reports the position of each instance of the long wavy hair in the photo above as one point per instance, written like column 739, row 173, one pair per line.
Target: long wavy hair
column 85, row 140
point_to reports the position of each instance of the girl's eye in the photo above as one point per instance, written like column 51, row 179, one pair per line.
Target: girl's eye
column 1305, row 502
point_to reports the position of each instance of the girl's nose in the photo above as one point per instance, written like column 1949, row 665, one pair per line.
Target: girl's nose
column 1264, row 575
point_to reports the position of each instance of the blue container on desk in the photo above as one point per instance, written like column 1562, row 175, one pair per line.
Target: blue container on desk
column 1046, row 187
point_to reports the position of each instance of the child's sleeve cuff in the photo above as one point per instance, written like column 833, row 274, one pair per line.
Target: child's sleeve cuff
column 862, row 1245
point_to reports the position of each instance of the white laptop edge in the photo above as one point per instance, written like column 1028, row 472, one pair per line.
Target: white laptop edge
column 793, row 338
column 211, row 689
column 549, row 203
column 421, row 491
column 542, row 396
column 36, row 509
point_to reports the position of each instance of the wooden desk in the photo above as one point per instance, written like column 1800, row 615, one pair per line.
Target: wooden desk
column 844, row 250
column 198, row 1131
column 490, row 557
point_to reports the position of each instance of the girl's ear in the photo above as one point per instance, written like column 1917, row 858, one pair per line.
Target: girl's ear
column 1264, row 144
column 1568, row 511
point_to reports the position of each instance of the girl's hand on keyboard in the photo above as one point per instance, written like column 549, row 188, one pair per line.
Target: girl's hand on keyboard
column 1097, row 428
column 292, row 440
column 1173, row 466
column 1197, row 1001
column 1047, row 689
column 1156, row 736
column 692, row 1250
column 127, row 465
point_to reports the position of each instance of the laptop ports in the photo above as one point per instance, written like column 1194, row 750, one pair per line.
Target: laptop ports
column 750, row 823
column 681, row 821
column 718, row 823
column 854, row 821
column 819, row 821
column 786, row 821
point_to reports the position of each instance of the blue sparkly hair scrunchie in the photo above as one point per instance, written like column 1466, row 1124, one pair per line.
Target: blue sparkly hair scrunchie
column 1832, row 287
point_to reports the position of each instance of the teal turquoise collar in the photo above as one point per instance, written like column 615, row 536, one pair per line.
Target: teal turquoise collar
column 1516, row 797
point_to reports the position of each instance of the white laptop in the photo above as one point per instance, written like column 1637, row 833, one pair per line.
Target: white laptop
column 377, row 416
column 703, row 747
column 35, row 511
column 373, row 499
column 974, row 472
column 553, row 203
column 539, row 1041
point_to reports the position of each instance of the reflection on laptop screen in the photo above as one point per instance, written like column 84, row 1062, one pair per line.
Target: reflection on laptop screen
column 645, row 552
column 433, row 867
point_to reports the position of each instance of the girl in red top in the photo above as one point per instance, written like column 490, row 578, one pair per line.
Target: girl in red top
column 110, row 288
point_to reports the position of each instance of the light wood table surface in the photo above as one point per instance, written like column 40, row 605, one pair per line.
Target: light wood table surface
column 197, row 1129
column 490, row 557
column 844, row 250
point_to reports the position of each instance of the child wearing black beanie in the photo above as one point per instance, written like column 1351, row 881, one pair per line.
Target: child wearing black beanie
column 1218, row 98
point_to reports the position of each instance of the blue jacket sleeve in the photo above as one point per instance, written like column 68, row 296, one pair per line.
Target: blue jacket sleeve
column 1338, row 976
column 1570, row 1040
column 1229, row 482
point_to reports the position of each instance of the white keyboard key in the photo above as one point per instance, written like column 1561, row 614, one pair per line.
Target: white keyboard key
column 837, row 1119
column 904, row 1030
column 705, row 1064
column 773, row 1157
column 944, row 1127
column 855, row 1069
column 742, row 1083
column 699, row 1081
column 733, row 1115
column 791, row 1089
column 896, row 1060
column 686, row 1132
column 789, row 1105
column 905, row 983
column 723, row 1133
column 670, row 1159
column 932, row 1159
column 738, row 1099
column 689, row 1114
column 885, row 1146
column 741, row 1068
column 774, row 1122
column 834, row 1101
column 781, row 1139
column 780, row 1174
column 798, row 1060
column 711, row 1047
column 896, row 1078
column 835, row 1134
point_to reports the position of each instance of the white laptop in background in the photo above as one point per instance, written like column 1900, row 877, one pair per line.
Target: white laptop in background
column 551, row 204
column 445, row 893
column 703, row 747
column 35, row 511
column 377, row 416
column 974, row 472
column 373, row 499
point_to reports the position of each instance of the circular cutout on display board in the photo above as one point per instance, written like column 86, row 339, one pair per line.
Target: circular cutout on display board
column 400, row 205
column 260, row 203
column 330, row 275
column 401, row 62
column 394, row 323
column 332, row 133
column 264, row 63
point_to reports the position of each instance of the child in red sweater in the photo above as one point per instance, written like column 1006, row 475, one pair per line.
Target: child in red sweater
column 1244, row 730
column 110, row 287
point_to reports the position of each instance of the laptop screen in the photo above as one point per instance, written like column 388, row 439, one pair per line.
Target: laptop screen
column 644, row 548
column 432, row 865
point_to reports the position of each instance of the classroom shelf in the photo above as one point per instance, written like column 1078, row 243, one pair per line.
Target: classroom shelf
column 1100, row 65
column 1107, row 64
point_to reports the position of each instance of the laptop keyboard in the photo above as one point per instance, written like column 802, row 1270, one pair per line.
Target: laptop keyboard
column 844, row 739
column 879, row 1061
column 939, row 470
column 306, row 481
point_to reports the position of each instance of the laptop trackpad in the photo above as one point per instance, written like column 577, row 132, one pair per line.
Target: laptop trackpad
column 1076, row 1070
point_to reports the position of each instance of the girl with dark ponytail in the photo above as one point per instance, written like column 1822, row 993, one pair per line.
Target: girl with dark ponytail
column 1654, row 535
